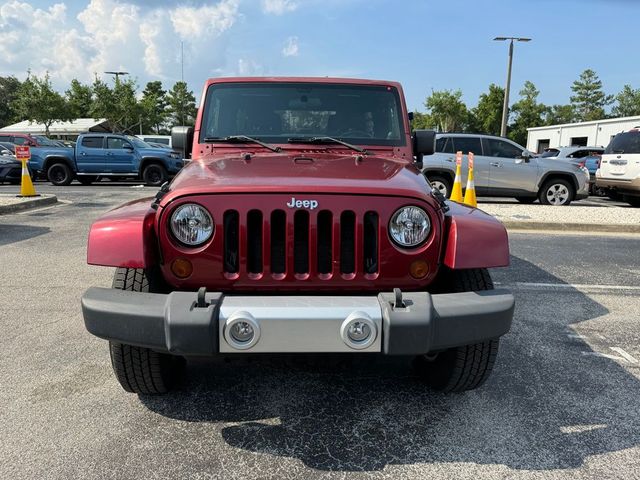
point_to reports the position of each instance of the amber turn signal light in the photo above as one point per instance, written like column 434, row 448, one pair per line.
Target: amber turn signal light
column 419, row 269
column 181, row 268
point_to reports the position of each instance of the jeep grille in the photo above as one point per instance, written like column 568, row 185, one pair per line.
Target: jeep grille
column 299, row 241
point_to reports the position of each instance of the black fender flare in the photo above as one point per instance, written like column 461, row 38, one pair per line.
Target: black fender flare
column 147, row 160
column 51, row 159
column 439, row 171
column 562, row 175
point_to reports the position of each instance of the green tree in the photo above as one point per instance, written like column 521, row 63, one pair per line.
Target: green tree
column 447, row 110
column 118, row 105
column 79, row 99
column 38, row 102
column 627, row 103
column 559, row 114
column 154, row 107
column 9, row 87
column 486, row 117
column 527, row 113
column 588, row 99
column 181, row 105
column 421, row 121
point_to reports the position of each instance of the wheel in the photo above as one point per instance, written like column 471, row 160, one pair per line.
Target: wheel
column 631, row 200
column 527, row 200
column 87, row 179
column 154, row 175
column 467, row 367
column 142, row 370
column 60, row 174
column 441, row 183
column 613, row 194
column 556, row 192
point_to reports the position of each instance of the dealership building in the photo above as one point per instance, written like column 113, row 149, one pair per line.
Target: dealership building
column 61, row 130
column 593, row 134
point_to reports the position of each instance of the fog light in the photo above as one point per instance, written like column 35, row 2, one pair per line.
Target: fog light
column 419, row 269
column 242, row 332
column 358, row 331
column 181, row 268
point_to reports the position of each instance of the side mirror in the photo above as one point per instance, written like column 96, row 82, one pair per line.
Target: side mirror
column 524, row 157
column 182, row 140
column 424, row 143
column 127, row 146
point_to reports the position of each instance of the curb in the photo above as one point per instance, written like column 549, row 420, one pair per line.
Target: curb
column 28, row 204
column 572, row 227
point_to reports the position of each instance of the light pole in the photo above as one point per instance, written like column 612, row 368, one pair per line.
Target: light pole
column 117, row 74
column 505, row 107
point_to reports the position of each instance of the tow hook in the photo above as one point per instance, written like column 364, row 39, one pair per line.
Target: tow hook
column 201, row 302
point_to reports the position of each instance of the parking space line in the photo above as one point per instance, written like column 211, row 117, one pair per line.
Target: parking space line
column 624, row 354
column 576, row 286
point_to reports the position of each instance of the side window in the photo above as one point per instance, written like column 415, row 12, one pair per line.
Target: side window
column 502, row 149
column 579, row 154
column 92, row 142
column 444, row 145
column 467, row 144
column 5, row 138
column 117, row 143
column 20, row 140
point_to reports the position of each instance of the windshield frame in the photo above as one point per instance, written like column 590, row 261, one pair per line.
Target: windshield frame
column 283, row 140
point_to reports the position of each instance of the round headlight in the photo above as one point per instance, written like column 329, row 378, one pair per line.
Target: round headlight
column 409, row 226
column 191, row 224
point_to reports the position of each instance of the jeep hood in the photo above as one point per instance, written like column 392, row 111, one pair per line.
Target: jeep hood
column 303, row 173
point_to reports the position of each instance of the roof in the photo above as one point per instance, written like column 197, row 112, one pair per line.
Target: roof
column 586, row 124
column 74, row 127
column 352, row 81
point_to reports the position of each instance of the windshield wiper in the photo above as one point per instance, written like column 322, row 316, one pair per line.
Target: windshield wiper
column 241, row 139
column 618, row 151
column 326, row 140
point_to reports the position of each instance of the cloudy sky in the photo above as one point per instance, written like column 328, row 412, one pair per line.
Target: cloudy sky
column 424, row 44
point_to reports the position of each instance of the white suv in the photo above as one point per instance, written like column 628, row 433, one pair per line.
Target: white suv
column 619, row 172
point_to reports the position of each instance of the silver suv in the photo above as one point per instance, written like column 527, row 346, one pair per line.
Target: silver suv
column 505, row 169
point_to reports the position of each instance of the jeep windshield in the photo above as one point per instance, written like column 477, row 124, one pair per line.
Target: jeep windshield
column 278, row 112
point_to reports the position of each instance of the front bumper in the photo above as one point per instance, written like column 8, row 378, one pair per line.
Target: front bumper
column 175, row 323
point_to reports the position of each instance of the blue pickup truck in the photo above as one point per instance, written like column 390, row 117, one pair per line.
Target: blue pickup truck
column 105, row 155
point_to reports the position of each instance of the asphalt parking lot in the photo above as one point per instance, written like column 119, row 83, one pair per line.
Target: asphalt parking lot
column 562, row 402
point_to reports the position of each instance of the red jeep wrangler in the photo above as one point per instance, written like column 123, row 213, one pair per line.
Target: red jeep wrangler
column 303, row 224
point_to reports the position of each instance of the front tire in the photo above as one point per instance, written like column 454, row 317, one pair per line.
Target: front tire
column 138, row 369
column 557, row 192
column 154, row 175
column 466, row 367
column 631, row 200
column 59, row 174
column 440, row 183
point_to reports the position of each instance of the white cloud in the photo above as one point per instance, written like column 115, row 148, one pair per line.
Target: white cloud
column 112, row 34
column 211, row 21
column 290, row 48
column 278, row 7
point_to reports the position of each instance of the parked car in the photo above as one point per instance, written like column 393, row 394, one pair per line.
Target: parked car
column 104, row 155
column 306, row 227
column 27, row 139
column 588, row 157
column 619, row 172
column 505, row 169
column 10, row 167
column 163, row 139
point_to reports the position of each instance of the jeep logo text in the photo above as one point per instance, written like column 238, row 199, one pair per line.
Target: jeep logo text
column 310, row 204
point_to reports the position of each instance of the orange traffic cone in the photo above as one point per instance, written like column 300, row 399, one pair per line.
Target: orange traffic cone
column 456, row 192
column 470, row 191
column 26, row 185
